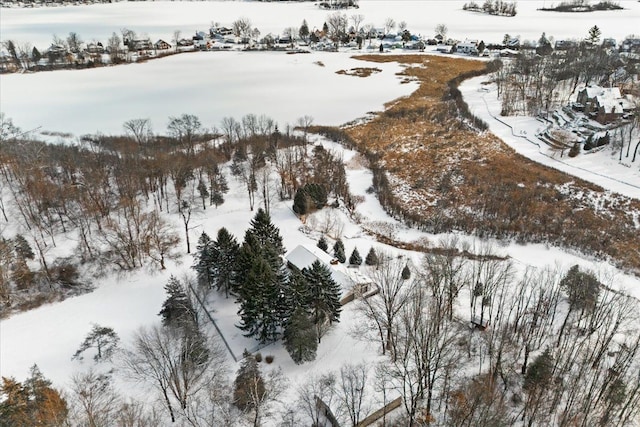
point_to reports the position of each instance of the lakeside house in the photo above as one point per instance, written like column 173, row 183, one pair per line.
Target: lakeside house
column 161, row 45
column 605, row 105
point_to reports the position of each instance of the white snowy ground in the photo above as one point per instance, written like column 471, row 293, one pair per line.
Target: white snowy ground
column 159, row 19
column 519, row 132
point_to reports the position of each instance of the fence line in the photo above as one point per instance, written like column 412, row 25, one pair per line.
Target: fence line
column 394, row 404
column 215, row 325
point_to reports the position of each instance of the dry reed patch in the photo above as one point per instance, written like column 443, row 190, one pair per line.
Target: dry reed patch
column 443, row 175
column 360, row 71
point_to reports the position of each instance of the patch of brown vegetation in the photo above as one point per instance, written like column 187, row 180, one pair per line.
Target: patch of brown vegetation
column 435, row 170
column 360, row 71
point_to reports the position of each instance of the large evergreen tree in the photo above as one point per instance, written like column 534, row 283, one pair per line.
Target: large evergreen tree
column 219, row 186
column 224, row 255
column 34, row 403
column 322, row 244
column 260, row 280
column 304, row 30
column 258, row 308
column 300, row 337
column 406, row 272
column 23, row 248
column 301, row 202
column 317, row 194
column 204, row 262
column 540, row 372
column 297, row 292
column 266, row 232
column 594, row 35
column 248, row 385
column 260, row 283
column 582, row 288
column 324, row 298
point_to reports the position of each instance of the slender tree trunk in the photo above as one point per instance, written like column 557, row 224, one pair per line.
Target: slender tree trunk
column 169, row 407
column 635, row 152
column 186, row 232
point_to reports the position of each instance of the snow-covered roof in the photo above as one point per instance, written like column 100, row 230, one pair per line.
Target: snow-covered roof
column 614, row 105
column 608, row 99
column 303, row 256
column 597, row 91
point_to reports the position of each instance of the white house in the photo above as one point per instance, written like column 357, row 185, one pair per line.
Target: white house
column 469, row 47
column 303, row 256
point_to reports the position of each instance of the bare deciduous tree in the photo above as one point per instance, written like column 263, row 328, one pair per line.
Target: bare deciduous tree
column 179, row 364
column 389, row 24
column 94, row 400
column 352, row 391
column 383, row 308
column 139, row 129
column 321, row 387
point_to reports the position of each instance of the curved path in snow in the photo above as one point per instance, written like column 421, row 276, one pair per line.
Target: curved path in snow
column 519, row 133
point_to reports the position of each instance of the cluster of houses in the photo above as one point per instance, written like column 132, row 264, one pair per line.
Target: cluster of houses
column 512, row 46
column 49, row 3
column 224, row 38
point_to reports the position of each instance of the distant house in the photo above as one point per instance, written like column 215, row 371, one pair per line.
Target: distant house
column 604, row 104
column 513, row 43
column 565, row 44
column 630, row 45
column 468, row 47
column 443, row 48
column 161, row 45
column 95, row 48
column 215, row 32
column 185, row 42
column 6, row 62
column 57, row 49
column 140, row 45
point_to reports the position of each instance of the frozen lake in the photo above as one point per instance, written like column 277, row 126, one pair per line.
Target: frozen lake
column 211, row 85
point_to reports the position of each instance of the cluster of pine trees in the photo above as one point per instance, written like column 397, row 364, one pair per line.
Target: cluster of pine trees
column 275, row 301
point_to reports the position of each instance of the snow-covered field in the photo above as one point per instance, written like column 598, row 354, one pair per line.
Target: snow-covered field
column 160, row 19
